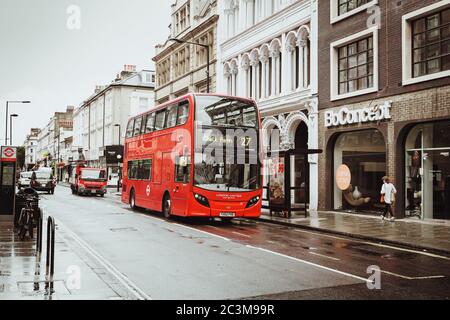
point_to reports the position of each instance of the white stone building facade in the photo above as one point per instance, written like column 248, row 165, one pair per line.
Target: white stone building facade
column 268, row 51
column 97, row 120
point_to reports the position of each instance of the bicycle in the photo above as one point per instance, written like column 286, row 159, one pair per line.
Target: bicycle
column 26, row 220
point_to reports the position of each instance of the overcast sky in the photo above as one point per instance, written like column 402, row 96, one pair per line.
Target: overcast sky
column 43, row 60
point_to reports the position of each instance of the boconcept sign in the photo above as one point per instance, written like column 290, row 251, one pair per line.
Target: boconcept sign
column 346, row 116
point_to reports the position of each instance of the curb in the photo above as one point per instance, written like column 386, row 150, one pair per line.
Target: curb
column 360, row 237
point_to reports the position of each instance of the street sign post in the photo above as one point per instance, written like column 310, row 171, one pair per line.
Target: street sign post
column 8, row 157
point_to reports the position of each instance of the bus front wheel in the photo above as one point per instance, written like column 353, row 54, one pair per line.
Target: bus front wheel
column 167, row 207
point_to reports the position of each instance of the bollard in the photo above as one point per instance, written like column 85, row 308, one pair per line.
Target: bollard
column 38, row 251
column 50, row 261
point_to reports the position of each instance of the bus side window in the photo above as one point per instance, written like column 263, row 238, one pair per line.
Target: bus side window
column 160, row 119
column 183, row 112
column 137, row 126
column 150, row 125
column 172, row 113
column 130, row 128
column 182, row 170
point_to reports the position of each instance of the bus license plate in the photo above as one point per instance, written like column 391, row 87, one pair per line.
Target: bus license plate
column 227, row 214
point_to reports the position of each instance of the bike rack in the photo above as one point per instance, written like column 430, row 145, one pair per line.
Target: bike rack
column 50, row 261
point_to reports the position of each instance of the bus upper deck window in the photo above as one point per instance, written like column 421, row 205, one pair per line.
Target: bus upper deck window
column 183, row 112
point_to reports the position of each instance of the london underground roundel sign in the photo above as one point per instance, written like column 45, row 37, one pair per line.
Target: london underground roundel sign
column 8, row 153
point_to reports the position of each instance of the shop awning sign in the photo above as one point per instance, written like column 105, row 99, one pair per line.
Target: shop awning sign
column 9, row 154
column 345, row 116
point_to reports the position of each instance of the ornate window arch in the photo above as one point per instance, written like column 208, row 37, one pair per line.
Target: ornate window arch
column 277, row 56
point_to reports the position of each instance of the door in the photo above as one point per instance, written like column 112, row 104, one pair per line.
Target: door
column 181, row 183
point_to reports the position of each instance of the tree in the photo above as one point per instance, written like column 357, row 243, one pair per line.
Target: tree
column 20, row 157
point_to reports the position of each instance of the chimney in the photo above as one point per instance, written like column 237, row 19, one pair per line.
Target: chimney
column 128, row 70
column 98, row 89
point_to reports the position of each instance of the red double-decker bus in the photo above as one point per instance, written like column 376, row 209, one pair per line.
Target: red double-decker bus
column 197, row 156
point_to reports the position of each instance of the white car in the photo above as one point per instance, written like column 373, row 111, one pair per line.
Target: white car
column 24, row 180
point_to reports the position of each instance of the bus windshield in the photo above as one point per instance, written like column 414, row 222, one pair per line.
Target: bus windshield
column 93, row 174
column 226, row 145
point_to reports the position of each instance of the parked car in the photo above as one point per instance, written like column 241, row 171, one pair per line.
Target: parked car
column 43, row 180
column 24, row 180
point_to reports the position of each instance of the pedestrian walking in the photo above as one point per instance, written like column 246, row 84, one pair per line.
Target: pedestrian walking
column 388, row 193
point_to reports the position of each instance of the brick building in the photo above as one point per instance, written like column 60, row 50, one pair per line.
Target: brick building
column 384, row 100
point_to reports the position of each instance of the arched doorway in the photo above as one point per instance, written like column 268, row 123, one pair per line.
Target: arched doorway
column 301, row 176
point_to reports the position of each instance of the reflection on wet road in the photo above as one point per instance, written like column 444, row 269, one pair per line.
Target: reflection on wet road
column 198, row 259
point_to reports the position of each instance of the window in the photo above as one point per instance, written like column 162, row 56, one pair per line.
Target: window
column 363, row 153
column 160, row 119
column 140, row 170
column 150, row 123
column 431, row 43
column 137, row 126
column 356, row 66
column 427, row 178
column 342, row 9
column 172, row 113
column 426, row 43
column 130, row 128
column 348, row 5
column 182, row 169
column 183, row 112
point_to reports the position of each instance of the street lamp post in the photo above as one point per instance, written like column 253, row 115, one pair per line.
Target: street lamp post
column 207, row 58
column 11, row 127
column 7, row 114
column 120, row 133
column 119, row 157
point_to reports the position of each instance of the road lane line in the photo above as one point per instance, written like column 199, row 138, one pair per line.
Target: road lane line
column 123, row 279
column 432, row 255
column 324, row 256
column 411, row 278
column 241, row 234
column 201, row 231
column 313, row 264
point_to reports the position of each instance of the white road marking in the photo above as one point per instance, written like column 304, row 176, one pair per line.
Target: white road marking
column 313, row 264
column 411, row 278
column 428, row 254
column 241, row 234
column 324, row 256
column 123, row 279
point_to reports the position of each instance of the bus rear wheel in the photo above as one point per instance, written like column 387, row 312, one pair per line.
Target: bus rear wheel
column 167, row 207
column 132, row 200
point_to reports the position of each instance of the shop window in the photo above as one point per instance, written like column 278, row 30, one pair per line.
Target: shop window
column 363, row 155
column 427, row 172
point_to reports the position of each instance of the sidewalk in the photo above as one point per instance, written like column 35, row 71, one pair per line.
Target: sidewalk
column 21, row 278
column 420, row 235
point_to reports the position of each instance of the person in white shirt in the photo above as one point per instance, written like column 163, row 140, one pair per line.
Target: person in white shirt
column 388, row 191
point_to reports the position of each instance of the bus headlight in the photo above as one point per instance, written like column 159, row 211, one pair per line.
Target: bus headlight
column 253, row 201
column 202, row 200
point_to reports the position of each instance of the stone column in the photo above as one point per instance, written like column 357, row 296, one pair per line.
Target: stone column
column 313, row 143
column 263, row 60
column 301, row 71
column 254, row 66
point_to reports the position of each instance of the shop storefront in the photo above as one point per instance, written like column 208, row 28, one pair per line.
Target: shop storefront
column 406, row 138
column 364, row 154
column 427, row 172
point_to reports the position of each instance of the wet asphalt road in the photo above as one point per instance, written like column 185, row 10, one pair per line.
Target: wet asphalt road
column 191, row 259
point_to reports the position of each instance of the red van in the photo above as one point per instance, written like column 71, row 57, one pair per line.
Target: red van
column 88, row 181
